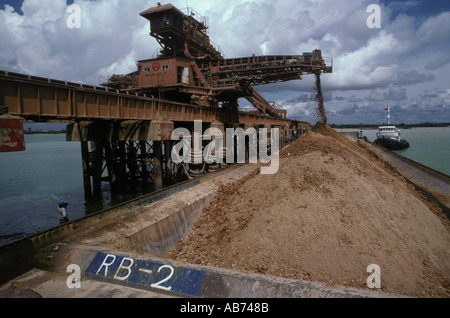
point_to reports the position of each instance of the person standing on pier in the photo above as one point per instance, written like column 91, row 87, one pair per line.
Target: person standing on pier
column 62, row 212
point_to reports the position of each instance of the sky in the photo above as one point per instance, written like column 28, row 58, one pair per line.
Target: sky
column 405, row 63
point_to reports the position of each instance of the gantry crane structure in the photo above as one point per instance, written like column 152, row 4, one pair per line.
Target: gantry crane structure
column 190, row 68
column 125, row 127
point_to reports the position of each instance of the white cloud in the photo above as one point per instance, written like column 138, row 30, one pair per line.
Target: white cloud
column 413, row 77
column 436, row 30
column 43, row 45
column 401, row 60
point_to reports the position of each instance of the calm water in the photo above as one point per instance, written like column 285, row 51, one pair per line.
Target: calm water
column 428, row 146
column 49, row 167
column 52, row 166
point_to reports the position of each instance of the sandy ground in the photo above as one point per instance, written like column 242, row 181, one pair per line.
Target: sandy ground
column 332, row 210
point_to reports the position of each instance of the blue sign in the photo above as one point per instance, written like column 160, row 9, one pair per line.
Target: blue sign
column 149, row 275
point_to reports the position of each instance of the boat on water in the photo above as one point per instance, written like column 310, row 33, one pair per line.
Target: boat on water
column 389, row 136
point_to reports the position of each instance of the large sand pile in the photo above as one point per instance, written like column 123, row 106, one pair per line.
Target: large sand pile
column 331, row 211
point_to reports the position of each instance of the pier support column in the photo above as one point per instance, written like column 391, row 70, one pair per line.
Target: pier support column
column 168, row 173
column 132, row 164
column 144, row 161
column 133, row 151
column 112, row 168
column 97, row 168
column 122, row 165
column 85, row 164
column 157, row 165
column 160, row 133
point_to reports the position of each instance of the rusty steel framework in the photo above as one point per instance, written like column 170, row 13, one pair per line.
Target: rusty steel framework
column 125, row 125
column 191, row 69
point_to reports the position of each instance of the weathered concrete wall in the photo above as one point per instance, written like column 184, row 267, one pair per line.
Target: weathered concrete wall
column 161, row 236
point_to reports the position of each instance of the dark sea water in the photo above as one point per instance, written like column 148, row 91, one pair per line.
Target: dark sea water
column 428, row 146
column 51, row 166
column 30, row 180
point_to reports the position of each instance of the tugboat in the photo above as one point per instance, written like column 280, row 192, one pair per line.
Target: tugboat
column 388, row 135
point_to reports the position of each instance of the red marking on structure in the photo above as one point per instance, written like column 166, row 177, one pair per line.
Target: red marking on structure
column 11, row 134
